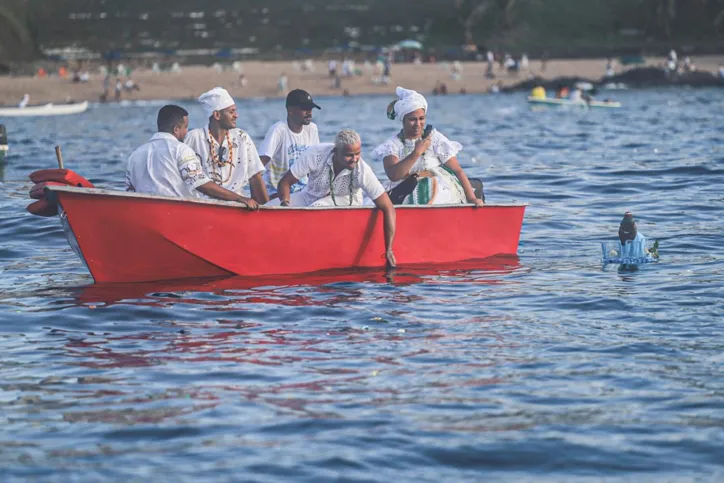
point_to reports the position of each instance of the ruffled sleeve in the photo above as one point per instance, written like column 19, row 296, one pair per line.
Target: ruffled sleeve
column 391, row 147
column 443, row 148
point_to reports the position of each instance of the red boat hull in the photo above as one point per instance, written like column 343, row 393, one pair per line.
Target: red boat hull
column 126, row 237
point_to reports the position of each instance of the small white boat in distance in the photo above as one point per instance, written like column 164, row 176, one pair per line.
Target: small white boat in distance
column 46, row 110
column 555, row 102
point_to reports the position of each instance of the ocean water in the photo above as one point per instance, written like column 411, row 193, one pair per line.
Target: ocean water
column 544, row 367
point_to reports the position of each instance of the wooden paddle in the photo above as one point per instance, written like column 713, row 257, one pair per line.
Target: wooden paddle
column 59, row 156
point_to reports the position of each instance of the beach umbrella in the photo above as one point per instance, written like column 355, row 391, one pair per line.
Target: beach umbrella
column 410, row 44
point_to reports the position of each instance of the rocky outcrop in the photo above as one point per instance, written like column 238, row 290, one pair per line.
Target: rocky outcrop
column 654, row 76
column 637, row 77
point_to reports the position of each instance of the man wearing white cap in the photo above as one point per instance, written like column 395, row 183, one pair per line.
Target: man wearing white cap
column 227, row 154
column 166, row 166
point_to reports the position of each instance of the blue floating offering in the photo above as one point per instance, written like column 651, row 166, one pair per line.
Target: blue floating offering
column 633, row 252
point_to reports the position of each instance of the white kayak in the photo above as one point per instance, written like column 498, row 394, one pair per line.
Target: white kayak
column 552, row 101
column 46, row 110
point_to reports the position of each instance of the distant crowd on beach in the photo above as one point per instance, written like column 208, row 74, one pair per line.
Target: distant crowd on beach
column 352, row 72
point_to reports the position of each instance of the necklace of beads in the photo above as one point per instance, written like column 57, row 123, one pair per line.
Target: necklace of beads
column 331, row 186
column 217, row 161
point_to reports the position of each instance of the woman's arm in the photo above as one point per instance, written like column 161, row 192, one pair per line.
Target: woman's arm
column 454, row 165
column 384, row 204
column 398, row 170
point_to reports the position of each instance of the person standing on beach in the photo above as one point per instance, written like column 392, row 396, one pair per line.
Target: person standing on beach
column 283, row 83
column 227, row 154
column 286, row 140
column 106, row 88
column 119, row 89
column 166, row 166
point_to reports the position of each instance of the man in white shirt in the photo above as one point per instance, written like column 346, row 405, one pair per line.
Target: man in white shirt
column 166, row 166
column 24, row 101
column 338, row 176
column 286, row 140
column 227, row 154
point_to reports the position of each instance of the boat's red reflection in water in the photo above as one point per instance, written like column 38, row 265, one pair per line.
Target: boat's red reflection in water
column 265, row 289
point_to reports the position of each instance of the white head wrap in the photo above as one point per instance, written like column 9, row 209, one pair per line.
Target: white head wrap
column 408, row 101
column 216, row 99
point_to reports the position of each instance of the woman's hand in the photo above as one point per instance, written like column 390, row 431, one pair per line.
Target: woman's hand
column 391, row 260
column 422, row 145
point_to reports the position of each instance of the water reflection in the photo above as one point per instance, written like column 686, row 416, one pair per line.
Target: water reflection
column 272, row 289
column 313, row 365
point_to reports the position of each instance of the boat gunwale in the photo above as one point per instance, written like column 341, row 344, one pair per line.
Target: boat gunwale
column 234, row 204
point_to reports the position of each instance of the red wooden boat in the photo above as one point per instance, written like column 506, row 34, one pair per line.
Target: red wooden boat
column 131, row 237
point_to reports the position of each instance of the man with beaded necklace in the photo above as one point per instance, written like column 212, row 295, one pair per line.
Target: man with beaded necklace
column 227, row 154
column 338, row 176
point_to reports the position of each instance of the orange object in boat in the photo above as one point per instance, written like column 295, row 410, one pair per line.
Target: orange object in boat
column 43, row 208
column 64, row 176
column 37, row 192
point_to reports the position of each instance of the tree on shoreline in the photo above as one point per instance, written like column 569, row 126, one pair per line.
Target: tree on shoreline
column 470, row 13
column 16, row 40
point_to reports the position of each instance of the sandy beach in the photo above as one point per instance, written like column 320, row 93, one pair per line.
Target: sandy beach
column 263, row 80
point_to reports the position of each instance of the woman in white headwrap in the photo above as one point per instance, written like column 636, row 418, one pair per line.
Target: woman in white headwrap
column 427, row 165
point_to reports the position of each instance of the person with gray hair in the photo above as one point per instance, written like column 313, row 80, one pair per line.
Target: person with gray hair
column 338, row 176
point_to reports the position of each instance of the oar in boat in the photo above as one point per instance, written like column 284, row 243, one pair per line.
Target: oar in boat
column 59, row 156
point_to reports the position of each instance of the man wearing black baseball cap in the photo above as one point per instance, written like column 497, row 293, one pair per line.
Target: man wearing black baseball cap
column 286, row 140
column 300, row 98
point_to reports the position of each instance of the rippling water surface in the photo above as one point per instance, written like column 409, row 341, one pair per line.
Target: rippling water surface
column 542, row 367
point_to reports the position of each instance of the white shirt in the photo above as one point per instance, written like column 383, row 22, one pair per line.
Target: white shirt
column 441, row 150
column 316, row 162
column 283, row 147
column 245, row 163
column 165, row 166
